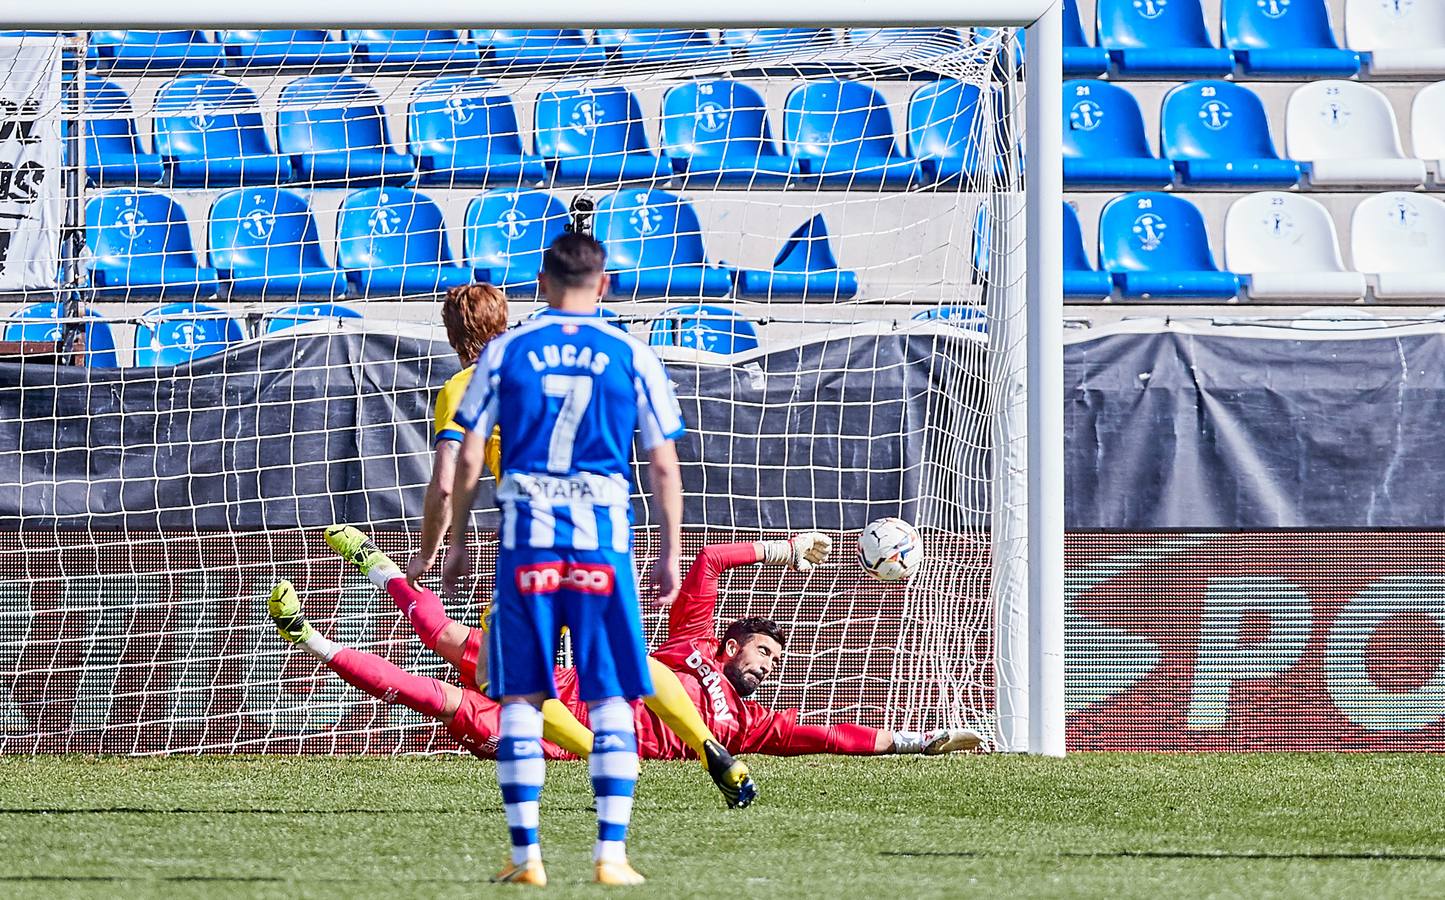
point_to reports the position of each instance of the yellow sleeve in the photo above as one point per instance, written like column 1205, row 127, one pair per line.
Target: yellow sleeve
column 449, row 397
column 494, row 453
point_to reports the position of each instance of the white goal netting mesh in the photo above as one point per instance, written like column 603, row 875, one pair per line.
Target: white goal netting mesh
column 235, row 341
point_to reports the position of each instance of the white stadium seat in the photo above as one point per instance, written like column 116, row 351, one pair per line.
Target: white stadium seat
column 1348, row 135
column 1285, row 247
column 1399, row 239
column 1427, row 127
column 1402, row 37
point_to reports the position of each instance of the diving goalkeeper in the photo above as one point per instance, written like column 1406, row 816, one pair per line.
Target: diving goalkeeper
column 717, row 674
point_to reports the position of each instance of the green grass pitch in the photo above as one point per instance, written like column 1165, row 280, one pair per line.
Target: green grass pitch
column 1123, row 825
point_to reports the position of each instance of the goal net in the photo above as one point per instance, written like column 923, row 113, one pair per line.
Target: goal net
column 820, row 231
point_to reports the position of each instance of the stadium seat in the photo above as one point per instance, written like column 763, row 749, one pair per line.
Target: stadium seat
column 841, row 133
column 273, row 49
column 45, row 323
column 773, row 40
column 393, row 242
column 407, row 48
column 163, row 50
column 595, row 135
column 1082, row 282
column 942, row 132
column 716, row 133
column 539, row 46
column 805, row 268
column 1398, row 38
column 463, row 131
column 140, row 243
column 660, row 45
column 113, row 153
column 334, row 128
column 1427, row 127
column 506, row 232
column 306, row 313
column 208, row 129
column 1156, row 248
column 715, row 329
column 971, row 318
column 263, row 243
column 178, row 333
column 1346, row 133
column 1284, row 38
column 1398, row 239
column 1080, row 58
column 1159, row 37
column 1104, row 143
column 1284, row 247
column 654, row 246
column 1217, row 134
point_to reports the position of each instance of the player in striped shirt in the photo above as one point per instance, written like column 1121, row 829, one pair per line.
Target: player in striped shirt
column 569, row 392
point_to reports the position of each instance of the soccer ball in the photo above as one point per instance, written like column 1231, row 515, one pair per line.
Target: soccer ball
column 890, row 549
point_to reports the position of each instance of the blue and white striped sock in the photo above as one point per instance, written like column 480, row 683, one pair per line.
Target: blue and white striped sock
column 520, row 771
column 613, row 765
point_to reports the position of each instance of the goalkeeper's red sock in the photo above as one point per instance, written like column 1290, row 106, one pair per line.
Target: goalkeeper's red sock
column 422, row 608
column 387, row 683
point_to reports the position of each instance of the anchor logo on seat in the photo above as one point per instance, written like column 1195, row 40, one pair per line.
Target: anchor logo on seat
column 1149, row 228
column 1335, row 114
column 384, row 221
column 1215, row 114
column 1086, row 115
column 645, row 218
column 1398, row 8
column 513, row 224
column 1274, row 9
column 1404, row 214
column 187, row 335
column 1280, row 225
column 460, row 109
column 258, row 223
column 711, row 116
column 585, row 117
column 131, row 222
column 1150, row 9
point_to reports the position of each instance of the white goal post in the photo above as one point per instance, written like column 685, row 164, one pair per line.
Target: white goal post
column 1028, row 641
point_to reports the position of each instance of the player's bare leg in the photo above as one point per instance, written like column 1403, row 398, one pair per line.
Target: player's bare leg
column 440, row 632
column 378, row 677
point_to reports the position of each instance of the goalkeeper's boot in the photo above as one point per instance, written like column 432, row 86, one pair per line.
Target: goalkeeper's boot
column 358, row 549
column 730, row 775
column 952, row 740
column 529, row 872
column 605, row 872
column 285, row 609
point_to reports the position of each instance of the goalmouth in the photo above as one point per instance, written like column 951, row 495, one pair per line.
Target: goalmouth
column 1023, row 257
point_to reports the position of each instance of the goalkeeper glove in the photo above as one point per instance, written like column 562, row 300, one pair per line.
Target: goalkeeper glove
column 801, row 552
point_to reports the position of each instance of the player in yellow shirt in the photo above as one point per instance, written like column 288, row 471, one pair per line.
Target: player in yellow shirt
column 473, row 315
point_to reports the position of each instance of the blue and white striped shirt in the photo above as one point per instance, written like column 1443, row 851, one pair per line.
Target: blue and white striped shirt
column 569, row 390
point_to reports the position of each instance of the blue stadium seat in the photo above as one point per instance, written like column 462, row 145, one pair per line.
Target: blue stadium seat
column 1284, row 37
column 841, row 133
column 969, row 317
column 715, row 329
column 140, row 243
column 209, row 131
column 1082, row 282
column 178, row 333
column 595, row 135
column 1159, row 37
column 1080, row 58
column 271, row 49
column 115, row 50
column 334, row 128
column 506, row 232
column 306, row 313
column 393, row 242
column 773, row 40
column 654, row 246
column 412, row 47
column 45, row 323
column 941, row 130
column 263, row 242
column 660, row 45
column 113, row 153
column 1217, row 133
column 716, row 133
column 805, row 267
column 1156, row 247
column 539, row 46
column 463, row 131
column 1104, row 143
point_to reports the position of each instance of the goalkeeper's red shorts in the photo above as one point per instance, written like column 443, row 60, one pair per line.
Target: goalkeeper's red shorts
column 476, row 724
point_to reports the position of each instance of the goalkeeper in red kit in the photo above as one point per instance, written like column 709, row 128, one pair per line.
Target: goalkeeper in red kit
column 719, row 674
